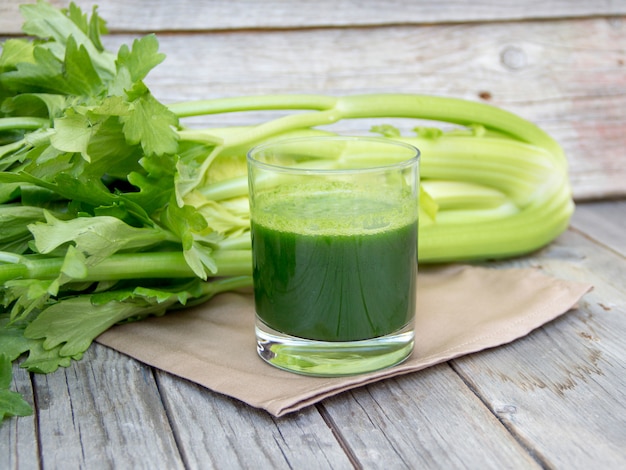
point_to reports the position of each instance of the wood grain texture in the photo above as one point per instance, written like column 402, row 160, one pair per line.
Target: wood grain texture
column 219, row 432
column 102, row 412
column 560, row 389
column 429, row 419
column 605, row 222
column 570, row 84
column 559, row 392
column 188, row 15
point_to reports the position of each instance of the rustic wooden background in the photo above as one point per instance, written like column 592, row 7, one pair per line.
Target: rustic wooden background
column 558, row 63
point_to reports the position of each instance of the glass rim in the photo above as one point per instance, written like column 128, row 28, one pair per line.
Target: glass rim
column 414, row 158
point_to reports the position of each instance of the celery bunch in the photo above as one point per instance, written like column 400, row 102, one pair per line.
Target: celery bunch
column 111, row 209
column 495, row 187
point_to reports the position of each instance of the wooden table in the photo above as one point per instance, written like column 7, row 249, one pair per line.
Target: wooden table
column 553, row 399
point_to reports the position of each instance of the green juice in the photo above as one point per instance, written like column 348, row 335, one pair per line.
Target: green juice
column 338, row 267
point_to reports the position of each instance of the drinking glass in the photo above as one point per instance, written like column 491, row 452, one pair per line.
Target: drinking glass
column 334, row 223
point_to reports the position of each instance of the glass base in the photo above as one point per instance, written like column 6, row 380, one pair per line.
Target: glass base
column 332, row 358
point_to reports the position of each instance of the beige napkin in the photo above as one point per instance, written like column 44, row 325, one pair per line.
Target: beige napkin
column 461, row 309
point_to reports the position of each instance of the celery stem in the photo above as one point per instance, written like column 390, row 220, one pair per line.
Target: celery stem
column 165, row 265
column 25, row 123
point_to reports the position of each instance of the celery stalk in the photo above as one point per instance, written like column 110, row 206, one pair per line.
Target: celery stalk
column 515, row 159
column 234, row 261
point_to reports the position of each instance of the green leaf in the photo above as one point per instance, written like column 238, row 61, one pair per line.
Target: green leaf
column 75, row 322
column 11, row 403
column 12, row 341
column 96, row 237
column 5, row 371
column 44, row 74
column 142, row 58
column 109, row 152
column 47, row 22
column 74, row 267
column 219, row 216
column 12, row 345
column 114, row 105
column 155, row 183
column 9, row 192
column 151, row 124
column 89, row 191
column 97, row 27
column 35, row 104
column 14, row 234
column 150, row 296
column 190, row 170
column 29, row 295
column 46, row 164
column 15, row 218
column 79, row 71
column 199, row 259
column 72, row 134
column 46, row 360
column 35, row 196
column 15, row 51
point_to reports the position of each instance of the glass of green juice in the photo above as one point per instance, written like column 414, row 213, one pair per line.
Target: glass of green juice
column 334, row 245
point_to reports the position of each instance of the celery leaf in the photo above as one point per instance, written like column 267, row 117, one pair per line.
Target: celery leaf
column 27, row 295
column 87, row 191
column 11, row 403
column 97, row 237
column 151, row 124
column 35, row 104
column 142, row 58
column 79, row 71
column 15, row 51
column 14, row 220
column 44, row 74
column 44, row 360
column 47, row 22
column 73, row 132
column 73, row 323
column 12, row 341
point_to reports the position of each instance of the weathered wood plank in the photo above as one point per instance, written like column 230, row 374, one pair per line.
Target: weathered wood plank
column 569, row 82
column 215, row 431
column 560, row 390
column 103, row 412
column 605, row 222
column 134, row 15
column 429, row 419
column 567, row 407
column 86, row 419
column 558, row 393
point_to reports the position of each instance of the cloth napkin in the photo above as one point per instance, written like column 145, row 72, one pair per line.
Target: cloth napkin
column 460, row 310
